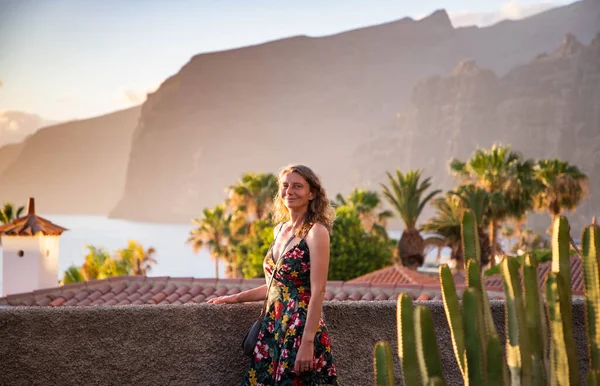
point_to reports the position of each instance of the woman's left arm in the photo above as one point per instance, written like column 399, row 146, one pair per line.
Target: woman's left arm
column 318, row 244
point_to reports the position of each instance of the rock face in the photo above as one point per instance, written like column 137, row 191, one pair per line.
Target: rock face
column 17, row 125
column 548, row 108
column 316, row 100
column 72, row 168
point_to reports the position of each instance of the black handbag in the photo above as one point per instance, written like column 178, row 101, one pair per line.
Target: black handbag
column 249, row 342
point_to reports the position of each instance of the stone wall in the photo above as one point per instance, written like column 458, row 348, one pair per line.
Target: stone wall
column 196, row 344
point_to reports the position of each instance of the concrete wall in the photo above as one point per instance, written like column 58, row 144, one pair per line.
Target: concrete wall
column 195, row 344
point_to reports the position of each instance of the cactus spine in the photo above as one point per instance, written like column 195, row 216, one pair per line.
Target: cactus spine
column 383, row 365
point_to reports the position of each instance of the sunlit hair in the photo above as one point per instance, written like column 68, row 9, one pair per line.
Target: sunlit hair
column 319, row 208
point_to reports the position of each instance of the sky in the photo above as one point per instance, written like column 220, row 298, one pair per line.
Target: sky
column 73, row 59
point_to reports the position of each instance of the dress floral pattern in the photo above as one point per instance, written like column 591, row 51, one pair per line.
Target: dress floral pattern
column 281, row 331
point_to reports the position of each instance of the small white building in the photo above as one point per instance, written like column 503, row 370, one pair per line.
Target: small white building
column 29, row 253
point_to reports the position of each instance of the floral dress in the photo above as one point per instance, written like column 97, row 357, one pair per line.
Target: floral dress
column 281, row 331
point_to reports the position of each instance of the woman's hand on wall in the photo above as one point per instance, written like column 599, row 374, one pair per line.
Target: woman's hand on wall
column 228, row 299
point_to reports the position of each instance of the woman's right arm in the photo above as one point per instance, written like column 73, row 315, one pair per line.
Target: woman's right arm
column 251, row 295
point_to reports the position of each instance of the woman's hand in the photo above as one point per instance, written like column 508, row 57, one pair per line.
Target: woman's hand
column 228, row 299
column 304, row 358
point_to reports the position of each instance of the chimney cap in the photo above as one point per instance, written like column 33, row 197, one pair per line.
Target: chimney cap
column 31, row 206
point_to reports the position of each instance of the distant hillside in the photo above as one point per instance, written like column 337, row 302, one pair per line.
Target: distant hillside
column 547, row 108
column 315, row 101
column 72, row 168
column 15, row 126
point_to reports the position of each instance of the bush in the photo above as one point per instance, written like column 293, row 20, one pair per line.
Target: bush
column 354, row 252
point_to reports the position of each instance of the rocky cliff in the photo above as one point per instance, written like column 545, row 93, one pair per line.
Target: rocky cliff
column 311, row 100
column 72, row 168
column 547, row 108
column 15, row 126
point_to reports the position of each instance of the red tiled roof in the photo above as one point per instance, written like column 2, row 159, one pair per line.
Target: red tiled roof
column 31, row 225
column 124, row 290
column 396, row 274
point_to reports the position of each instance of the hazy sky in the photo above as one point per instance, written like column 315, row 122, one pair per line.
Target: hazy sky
column 66, row 59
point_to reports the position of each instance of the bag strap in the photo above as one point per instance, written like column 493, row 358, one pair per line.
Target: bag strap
column 277, row 265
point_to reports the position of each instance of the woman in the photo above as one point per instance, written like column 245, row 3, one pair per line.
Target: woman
column 293, row 344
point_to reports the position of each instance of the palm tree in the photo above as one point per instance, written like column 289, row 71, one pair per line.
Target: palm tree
column 95, row 265
column 8, row 213
column 366, row 202
column 446, row 224
column 212, row 231
column 405, row 194
column 254, row 192
column 497, row 171
column 138, row 259
column 563, row 186
column 73, row 275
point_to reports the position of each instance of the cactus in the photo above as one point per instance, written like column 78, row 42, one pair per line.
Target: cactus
column 495, row 363
column 470, row 237
column 561, row 267
column 478, row 353
column 473, row 343
column 383, row 365
column 427, row 348
column 535, row 320
column 560, row 369
column 591, row 273
column 518, row 353
column 453, row 315
column 406, row 340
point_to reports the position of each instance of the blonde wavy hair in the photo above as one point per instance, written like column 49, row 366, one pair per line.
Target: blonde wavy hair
column 319, row 209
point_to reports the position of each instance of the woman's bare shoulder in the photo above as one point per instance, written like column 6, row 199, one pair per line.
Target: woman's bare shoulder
column 317, row 232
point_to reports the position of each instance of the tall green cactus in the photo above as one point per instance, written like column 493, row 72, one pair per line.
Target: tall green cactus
column 407, row 350
column 561, row 267
column 535, row 320
column 454, row 316
column 427, row 348
column 591, row 273
column 518, row 352
column 382, row 363
column 560, row 368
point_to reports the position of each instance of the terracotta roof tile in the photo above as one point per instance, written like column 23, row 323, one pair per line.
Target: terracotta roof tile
column 144, row 288
column 58, row 302
column 170, row 289
column 71, row 302
column 157, row 289
column 133, row 297
column 95, row 295
column 185, row 298
column 198, row 299
column 195, row 290
column 182, row 290
column 159, row 297
column 171, row 298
